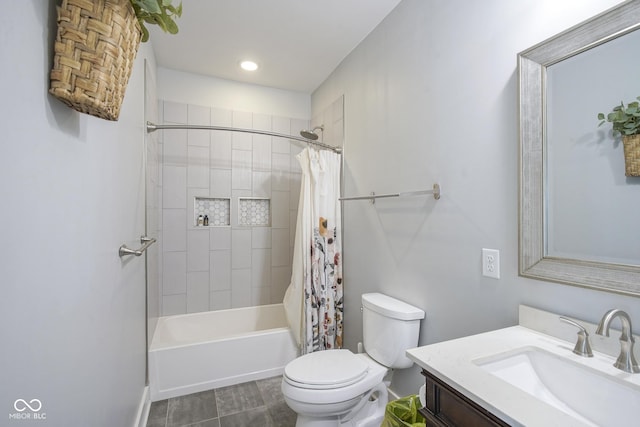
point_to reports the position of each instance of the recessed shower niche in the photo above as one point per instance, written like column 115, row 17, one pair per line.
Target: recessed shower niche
column 211, row 212
column 216, row 212
column 254, row 211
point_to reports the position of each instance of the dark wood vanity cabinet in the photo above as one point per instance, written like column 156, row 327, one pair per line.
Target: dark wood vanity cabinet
column 447, row 407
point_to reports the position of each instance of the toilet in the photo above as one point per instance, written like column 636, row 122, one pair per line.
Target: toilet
column 337, row 388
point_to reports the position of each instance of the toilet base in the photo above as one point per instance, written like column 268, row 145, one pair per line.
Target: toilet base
column 305, row 421
column 369, row 412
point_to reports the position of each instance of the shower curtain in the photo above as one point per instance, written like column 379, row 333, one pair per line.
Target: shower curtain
column 313, row 301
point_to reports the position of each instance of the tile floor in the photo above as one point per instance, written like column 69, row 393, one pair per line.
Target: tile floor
column 255, row 403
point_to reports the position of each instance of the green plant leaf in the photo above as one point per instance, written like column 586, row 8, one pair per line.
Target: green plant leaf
column 169, row 25
column 160, row 22
column 145, row 33
column 150, row 6
column 156, row 12
column 176, row 11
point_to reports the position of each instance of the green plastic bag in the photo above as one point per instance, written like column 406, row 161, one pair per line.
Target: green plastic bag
column 403, row 413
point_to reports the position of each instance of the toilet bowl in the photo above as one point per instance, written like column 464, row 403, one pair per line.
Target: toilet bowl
column 330, row 399
column 337, row 388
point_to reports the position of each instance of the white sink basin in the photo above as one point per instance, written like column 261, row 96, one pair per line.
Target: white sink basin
column 578, row 389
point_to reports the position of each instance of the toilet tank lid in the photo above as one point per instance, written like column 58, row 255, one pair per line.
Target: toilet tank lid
column 391, row 307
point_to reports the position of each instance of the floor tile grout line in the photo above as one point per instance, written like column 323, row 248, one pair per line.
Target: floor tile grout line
column 266, row 405
column 202, row 421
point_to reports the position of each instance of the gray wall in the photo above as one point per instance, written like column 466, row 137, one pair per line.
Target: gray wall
column 431, row 95
column 72, row 187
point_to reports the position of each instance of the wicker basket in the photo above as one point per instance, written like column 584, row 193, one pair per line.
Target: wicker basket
column 631, row 155
column 95, row 48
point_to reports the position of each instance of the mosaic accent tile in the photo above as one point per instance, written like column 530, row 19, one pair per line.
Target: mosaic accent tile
column 254, row 212
column 217, row 210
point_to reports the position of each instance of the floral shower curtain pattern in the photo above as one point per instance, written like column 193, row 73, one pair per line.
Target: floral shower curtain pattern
column 313, row 302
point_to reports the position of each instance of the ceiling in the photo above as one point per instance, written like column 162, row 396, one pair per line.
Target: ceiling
column 296, row 43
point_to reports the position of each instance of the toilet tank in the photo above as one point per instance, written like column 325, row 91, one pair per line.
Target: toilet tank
column 390, row 327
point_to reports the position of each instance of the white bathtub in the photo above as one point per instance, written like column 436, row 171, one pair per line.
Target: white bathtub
column 196, row 352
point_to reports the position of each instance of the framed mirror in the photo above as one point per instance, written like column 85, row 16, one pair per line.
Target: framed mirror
column 541, row 70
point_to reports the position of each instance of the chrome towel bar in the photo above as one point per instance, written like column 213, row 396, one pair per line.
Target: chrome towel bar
column 373, row 196
column 146, row 242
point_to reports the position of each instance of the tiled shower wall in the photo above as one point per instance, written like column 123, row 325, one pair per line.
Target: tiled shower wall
column 219, row 267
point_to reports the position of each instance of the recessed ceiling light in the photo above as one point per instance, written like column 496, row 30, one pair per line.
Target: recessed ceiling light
column 249, row 65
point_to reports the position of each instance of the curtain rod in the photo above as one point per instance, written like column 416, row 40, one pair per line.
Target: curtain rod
column 152, row 127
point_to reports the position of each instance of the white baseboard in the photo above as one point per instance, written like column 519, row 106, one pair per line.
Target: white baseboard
column 143, row 409
column 161, row 392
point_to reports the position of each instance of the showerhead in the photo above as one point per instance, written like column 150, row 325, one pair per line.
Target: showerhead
column 311, row 134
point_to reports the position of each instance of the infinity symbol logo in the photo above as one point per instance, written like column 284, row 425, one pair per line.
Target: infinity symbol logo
column 21, row 405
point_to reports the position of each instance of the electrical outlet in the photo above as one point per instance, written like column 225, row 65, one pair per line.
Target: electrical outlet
column 491, row 263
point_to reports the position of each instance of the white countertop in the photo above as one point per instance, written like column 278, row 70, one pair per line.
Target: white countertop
column 453, row 362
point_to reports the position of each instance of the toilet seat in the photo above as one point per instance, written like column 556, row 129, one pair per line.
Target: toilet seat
column 300, row 395
column 325, row 370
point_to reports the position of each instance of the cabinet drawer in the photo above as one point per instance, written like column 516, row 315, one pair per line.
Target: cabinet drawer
column 447, row 407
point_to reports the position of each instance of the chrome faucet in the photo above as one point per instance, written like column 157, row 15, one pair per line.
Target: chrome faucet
column 626, row 360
